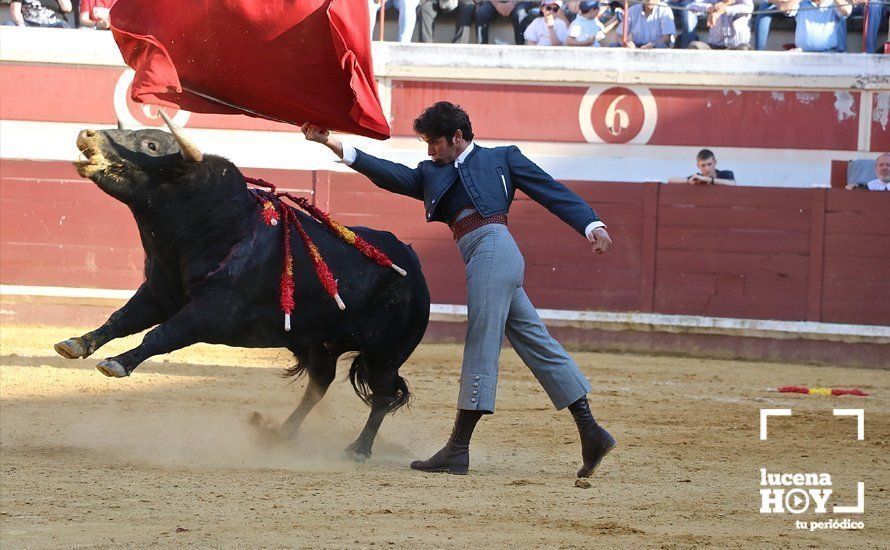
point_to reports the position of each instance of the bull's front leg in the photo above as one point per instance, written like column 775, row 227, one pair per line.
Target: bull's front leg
column 139, row 313
column 197, row 322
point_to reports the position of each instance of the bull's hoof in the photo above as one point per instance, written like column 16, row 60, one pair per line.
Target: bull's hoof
column 265, row 431
column 356, row 454
column 72, row 348
column 112, row 369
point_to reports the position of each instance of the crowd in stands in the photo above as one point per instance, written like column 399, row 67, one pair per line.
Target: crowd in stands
column 89, row 14
column 820, row 25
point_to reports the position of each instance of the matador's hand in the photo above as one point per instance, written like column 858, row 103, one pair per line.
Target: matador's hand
column 600, row 240
column 315, row 133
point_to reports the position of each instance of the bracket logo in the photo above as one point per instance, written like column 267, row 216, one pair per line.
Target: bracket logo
column 796, row 493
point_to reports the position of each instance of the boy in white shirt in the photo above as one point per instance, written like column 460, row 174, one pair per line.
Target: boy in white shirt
column 587, row 29
column 548, row 29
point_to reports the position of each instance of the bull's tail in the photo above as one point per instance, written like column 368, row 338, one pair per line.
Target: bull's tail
column 297, row 371
column 358, row 377
column 403, row 395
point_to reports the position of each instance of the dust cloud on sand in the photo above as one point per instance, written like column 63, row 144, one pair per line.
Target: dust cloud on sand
column 169, row 456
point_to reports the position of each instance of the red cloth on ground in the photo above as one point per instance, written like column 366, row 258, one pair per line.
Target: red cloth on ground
column 294, row 61
column 854, row 391
column 794, row 389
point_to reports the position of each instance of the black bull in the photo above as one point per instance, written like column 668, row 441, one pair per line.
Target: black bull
column 212, row 272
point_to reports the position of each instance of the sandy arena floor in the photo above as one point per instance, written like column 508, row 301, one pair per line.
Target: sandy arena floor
column 167, row 457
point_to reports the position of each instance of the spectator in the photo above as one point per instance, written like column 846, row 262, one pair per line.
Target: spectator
column 766, row 9
column 548, row 29
column 876, row 11
column 727, row 24
column 707, row 172
column 685, row 20
column 762, row 21
column 94, row 13
column 819, row 23
column 587, row 29
column 562, row 13
column 650, row 25
column 517, row 12
column 570, row 10
column 407, row 16
column 40, row 13
column 880, row 183
column 430, row 9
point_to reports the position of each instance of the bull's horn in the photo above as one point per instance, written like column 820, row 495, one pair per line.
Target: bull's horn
column 190, row 151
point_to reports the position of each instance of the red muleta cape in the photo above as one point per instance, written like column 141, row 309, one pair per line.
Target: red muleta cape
column 293, row 61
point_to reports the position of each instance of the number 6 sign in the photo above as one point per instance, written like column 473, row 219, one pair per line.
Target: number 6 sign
column 134, row 115
column 617, row 114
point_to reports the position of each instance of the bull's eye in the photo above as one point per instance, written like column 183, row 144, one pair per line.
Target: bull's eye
column 150, row 145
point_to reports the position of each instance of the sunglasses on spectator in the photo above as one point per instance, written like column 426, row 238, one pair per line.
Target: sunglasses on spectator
column 552, row 7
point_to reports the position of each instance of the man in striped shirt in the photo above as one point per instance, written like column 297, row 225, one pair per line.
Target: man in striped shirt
column 728, row 22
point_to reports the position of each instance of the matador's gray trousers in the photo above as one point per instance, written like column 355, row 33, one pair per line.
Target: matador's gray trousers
column 497, row 304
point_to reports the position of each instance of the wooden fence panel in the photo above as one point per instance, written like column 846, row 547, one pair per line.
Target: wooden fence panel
column 793, row 254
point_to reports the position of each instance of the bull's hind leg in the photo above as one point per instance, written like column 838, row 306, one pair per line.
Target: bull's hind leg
column 321, row 365
column 139, row 313
column 379, row 385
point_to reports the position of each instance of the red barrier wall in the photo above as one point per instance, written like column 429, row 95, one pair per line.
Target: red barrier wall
column 792, row 254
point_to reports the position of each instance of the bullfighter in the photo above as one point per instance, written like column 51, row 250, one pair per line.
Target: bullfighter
column 470, row 188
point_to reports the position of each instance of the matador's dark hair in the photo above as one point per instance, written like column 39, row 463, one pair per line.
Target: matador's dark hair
column 443, row 119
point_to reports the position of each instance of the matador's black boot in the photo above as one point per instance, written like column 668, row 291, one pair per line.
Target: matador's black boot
column 454, row 457
column 596, row 442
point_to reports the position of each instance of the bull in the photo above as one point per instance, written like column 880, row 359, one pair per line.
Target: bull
column 212, row 270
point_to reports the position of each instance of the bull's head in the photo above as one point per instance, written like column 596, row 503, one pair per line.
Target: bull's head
column 128, row 164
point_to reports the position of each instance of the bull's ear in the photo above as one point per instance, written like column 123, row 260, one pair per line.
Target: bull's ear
column 190, row 151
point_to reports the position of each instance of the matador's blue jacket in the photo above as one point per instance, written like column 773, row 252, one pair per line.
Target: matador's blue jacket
column 490, row 176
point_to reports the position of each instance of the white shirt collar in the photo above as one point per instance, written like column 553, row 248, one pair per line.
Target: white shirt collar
column 463, row 156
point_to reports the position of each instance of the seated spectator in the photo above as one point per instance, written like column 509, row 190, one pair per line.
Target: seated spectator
column 94, row 14
column 875, row 11
column 39, row 13
column 563, row 13
column 570, row 10
column 650, row 25
column 587, row 29
column 407, row 16
column 765, row 10
column 727, row 24
column 819, row 23
column 548, row 29
column 430, row 9
column 517, row 12
column 880, row 183
column 685, row 20
column 707, row 172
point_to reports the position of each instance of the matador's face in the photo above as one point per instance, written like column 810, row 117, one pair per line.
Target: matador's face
column 442, row 150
